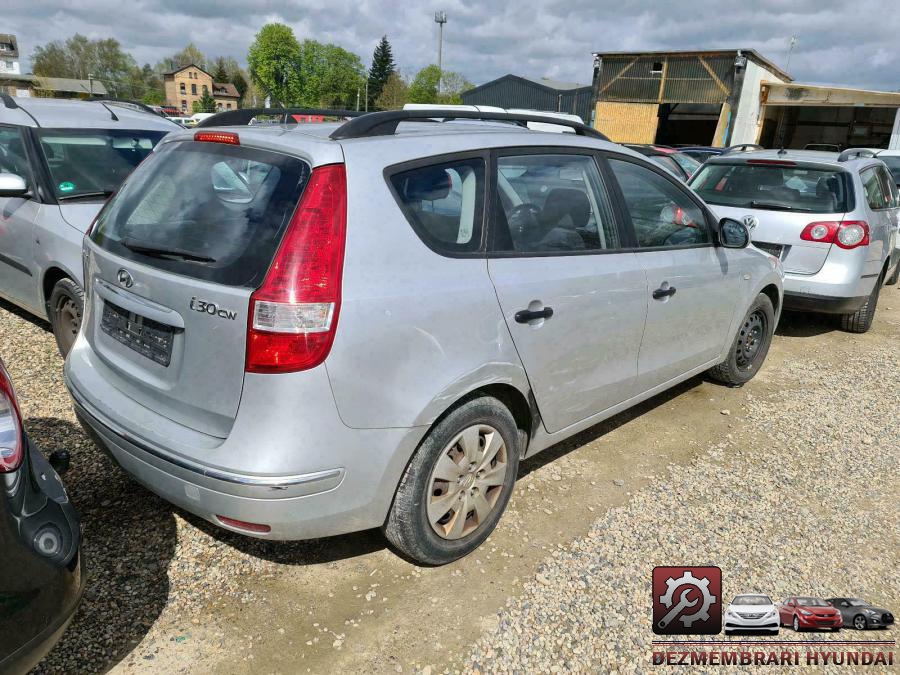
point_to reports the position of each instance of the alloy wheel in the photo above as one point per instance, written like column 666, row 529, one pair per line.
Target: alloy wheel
column 859, row 623
column 467, row 481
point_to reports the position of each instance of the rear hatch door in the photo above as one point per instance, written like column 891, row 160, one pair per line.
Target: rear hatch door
column 171, row 265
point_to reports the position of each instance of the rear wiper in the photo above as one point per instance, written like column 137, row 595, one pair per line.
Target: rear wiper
column 161, row 252
column 775, row 207
column 85, row 195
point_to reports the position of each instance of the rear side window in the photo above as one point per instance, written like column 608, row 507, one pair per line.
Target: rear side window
column 874, row 189
column 13, row 158
column 662, row 214
column 773, row 187
column 444, row 203
column 205, row 210
column 889, row 187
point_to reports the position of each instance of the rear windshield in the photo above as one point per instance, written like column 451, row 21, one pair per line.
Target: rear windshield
column 90, row 164
column 775, row 188
column 205, row 210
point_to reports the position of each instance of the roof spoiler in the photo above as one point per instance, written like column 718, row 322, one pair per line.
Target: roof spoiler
column 743, row 147
column 852, row 153
column 385, row 123
column 243, row 116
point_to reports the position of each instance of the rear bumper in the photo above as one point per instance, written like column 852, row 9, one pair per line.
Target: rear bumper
column 799, row 302
column 841, row 286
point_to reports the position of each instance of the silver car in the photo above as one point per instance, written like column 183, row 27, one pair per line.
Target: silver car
column 303, row 330
column 831, row 219
column 59, row 161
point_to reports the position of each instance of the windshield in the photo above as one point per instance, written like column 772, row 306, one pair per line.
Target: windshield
column 752, row 600
column 857, row 603
column 893, row 165
column 92, row 163
column 773, row 187
column 811, row 602
column 206, row 210
column 686, row 162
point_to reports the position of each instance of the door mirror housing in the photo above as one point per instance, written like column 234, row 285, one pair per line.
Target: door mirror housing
column 733, row 233
column 12, row 185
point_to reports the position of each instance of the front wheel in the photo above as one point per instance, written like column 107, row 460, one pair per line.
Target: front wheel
column 457, row 484
column 859, row 622
column 796, row 624
column 66, row 306
column 750, row 346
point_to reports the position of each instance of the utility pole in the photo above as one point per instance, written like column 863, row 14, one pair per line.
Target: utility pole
column 367, row 95
column 91, row 81
column 790, row 51
column 440, row 18
column 357, row 99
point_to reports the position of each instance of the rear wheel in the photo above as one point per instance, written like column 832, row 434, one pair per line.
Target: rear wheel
column 895, row 276
column 861, row 320
column 457, row 484
column 66, row 307
column 750, row 346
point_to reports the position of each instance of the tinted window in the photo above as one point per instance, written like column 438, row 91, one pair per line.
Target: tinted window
column 224, row 204
column 661, row 213
column 893, row 164
column 552, row 203
column 874, row 190
column 93, row 162
column 889, row 187
column 668, row 164
column 12, row 153
column 772, row 187
column 445, row 203
column 687, row 163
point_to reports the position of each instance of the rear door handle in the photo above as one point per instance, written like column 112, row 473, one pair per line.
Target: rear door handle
column 661, row 293
column 527, row 315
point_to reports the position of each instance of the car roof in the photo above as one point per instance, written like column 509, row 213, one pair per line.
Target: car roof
column 62, row 113
column 811, row 158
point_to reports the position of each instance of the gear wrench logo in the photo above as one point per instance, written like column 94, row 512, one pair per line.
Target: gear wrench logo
column 687, row 600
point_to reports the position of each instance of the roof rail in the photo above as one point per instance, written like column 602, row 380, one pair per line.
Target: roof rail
column 242, row 116
column 851, row 153
column 743, row 147
column 385, row 123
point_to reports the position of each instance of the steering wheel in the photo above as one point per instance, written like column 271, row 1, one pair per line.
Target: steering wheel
column 522, row 220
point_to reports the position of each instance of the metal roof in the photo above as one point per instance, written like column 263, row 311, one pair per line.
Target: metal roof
column 752, row 54
column 809, row 157
column 555, row 84
column 69, row 114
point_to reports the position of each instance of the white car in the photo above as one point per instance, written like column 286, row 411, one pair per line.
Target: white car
column 751, row 612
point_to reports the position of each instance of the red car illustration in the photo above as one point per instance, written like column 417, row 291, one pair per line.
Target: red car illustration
column 805, row 613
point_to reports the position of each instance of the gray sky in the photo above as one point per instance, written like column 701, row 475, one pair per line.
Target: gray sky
column 839, row 42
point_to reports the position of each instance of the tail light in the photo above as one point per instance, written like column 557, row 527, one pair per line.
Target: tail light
column 226, row 137
column 846, row 234
column 12, row 443
column 294, row 314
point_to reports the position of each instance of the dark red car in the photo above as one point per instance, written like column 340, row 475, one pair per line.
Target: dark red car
column 805, row 613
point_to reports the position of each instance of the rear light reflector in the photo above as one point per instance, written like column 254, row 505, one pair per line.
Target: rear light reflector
column 294, row 313
column 12, row 441
column 772, row 162
column 243, row 525
column 227, row 137
column 847, row 234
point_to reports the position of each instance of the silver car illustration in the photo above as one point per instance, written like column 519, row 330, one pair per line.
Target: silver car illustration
column 59, row 162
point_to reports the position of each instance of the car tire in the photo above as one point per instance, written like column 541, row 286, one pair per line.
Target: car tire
column 796, row 624
column 729, row 632
column 859, row 622
column 750, row 346
column 895, row 276
column 415, row 525
column 835, row 629
column 861, row 320
column 65, row 308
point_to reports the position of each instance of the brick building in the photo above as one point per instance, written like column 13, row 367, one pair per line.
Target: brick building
column 187, row 84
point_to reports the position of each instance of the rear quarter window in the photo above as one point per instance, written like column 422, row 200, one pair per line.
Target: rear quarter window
column 225, row 208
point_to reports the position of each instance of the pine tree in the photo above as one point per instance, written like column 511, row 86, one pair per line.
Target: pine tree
column 383, row 67
column 220, row 74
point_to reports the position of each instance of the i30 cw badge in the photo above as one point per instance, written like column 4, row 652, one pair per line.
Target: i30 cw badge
column 124, row 278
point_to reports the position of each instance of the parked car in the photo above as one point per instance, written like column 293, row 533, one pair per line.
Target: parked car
column 59, row 161
column 891, row 158
column 751, row 612
column 260, row 353
column 41, row 575
column 806, row 613
column 831, row 219
column 860, row 614
column 680, row 164
column 700, row 152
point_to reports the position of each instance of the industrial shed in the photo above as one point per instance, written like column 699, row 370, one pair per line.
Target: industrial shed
column 513, row 91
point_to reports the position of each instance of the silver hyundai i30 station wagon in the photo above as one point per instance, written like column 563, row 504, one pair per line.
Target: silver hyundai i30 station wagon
column 59, row 161
column 302, row 330
column 831, row 219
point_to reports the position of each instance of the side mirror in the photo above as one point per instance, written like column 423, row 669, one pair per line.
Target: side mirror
column 12, row 185
column 733, row 233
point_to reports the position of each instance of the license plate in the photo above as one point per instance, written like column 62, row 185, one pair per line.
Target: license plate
column 147, row 337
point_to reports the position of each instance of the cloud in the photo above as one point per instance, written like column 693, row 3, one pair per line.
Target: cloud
column 840, row 43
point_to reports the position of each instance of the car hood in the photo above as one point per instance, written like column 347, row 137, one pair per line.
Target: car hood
column 81, row 215
column 880, row 610
column 752, row 609
column 820, row 611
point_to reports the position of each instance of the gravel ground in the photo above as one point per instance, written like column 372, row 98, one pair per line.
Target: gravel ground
column 807, row 506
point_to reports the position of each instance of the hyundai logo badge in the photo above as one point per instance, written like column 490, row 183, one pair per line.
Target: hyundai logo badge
column 125, row 278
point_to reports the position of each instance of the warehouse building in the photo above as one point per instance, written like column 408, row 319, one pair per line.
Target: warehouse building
column 513, row 91
column 726, row 97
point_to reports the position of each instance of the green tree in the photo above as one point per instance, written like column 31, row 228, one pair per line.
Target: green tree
column 452, row 87
column 220, row 70
column 79, row 57
column 394, row 94
column 383, row 67
column 424, row 87
column 188, row 55
column 274, row 58
column 206, row 103
column 330, row 76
